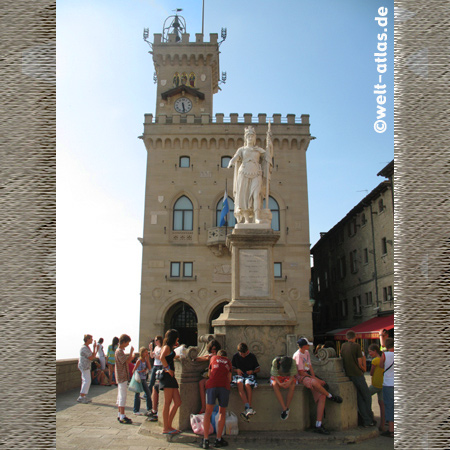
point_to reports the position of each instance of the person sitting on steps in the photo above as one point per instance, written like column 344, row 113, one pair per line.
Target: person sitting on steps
column 307, row 377
column 283, row 374
column 246, row 366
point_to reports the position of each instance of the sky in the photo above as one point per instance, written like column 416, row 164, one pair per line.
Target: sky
column 289, row 57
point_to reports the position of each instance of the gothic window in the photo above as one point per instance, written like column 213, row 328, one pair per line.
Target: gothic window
column 230, row 216
column 185, row 162
column 183, row 213
column 275, row 209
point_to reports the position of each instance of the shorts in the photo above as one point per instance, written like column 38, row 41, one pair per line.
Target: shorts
column 388, row 398
column 249, row 380
column 280, row 379
column 122, row 394
column 220, row 393
column 378, row 391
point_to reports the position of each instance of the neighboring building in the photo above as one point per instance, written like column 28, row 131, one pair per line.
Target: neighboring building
column 353, row 273
column 186, row 266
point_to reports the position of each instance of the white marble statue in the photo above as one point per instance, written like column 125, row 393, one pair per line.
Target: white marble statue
column 252, row 170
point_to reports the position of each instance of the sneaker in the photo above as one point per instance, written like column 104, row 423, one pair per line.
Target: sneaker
column 126, row 420
column 285, row 414
column 250, row 412
column 321, row 430
column 204, row 443
column 152, row 418
column 84, row 400
column 244, row 416
column 220, row 443
column 138, row 413
column 336, row 398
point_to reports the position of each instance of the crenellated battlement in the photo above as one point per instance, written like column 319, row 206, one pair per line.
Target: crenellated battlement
column 221, row 118
column 185, row 39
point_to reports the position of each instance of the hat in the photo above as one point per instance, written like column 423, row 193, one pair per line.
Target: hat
column 303, row 341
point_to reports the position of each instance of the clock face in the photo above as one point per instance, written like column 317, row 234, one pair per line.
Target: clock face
column 183, row 105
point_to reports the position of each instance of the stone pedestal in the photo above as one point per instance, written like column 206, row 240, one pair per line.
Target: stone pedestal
column 254, row 316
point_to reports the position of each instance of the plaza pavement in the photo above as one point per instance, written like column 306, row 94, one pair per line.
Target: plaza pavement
column 94, row 426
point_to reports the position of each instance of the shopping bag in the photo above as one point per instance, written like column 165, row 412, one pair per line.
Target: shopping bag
column 134, row 386
column 197, row 424
column 231, row 424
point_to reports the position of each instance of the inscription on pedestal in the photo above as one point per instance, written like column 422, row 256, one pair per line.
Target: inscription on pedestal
column 253, row 271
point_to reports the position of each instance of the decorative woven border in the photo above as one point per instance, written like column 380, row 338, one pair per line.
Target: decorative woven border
column 421, row 225
column 422, row 244
column 27, row 224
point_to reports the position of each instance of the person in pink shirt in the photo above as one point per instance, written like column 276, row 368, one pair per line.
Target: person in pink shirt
column 307, row 377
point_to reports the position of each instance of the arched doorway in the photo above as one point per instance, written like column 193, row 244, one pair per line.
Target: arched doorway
column 217, row 311
column 182, row 317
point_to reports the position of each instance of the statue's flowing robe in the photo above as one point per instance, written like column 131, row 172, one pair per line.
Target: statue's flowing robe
column 247, row 183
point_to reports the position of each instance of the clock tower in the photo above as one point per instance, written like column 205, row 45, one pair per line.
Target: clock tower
column 187, row 73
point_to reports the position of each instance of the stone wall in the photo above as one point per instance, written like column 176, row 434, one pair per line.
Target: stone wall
column 67, row 375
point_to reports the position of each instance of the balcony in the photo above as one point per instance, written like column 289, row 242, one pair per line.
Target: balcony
column 216, row 241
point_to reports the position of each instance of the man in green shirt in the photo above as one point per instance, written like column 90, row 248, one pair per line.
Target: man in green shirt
column 354, row 368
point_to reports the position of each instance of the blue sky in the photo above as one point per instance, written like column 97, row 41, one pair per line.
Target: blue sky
column 289, row 57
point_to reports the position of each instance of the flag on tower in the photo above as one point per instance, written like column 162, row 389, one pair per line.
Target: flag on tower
column 225, row 209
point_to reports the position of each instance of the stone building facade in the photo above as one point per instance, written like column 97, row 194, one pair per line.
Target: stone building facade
column 353, row 273
column 186, row 266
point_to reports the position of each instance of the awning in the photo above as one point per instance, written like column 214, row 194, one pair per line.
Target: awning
column 369, row 329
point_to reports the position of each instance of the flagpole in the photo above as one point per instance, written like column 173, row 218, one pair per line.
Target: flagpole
column 226, row 218
column 203, row 17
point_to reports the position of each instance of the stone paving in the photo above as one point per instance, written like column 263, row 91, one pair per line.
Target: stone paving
column 95, row 426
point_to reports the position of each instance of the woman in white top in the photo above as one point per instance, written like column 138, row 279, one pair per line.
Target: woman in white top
column 101, row 354
column 155, row 351
column 387, row 363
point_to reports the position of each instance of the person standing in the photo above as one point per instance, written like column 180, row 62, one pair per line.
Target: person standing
column 155, row 348
column 387, row 363
column 168, row 383
column 84, row 366
column 352, row 359
column 142, row 365
column 121, row 372
column 377, row 380
column 217, row 388
column 111, row 359
column 101, row 354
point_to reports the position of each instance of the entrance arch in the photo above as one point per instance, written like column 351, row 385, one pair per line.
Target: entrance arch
column 183, row 318
column 217, row 311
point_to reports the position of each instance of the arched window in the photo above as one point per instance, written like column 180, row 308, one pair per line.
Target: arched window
column 185, row 162
column 224, row 161
column 230, row 216
column 183, row 213
column 275, row 209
